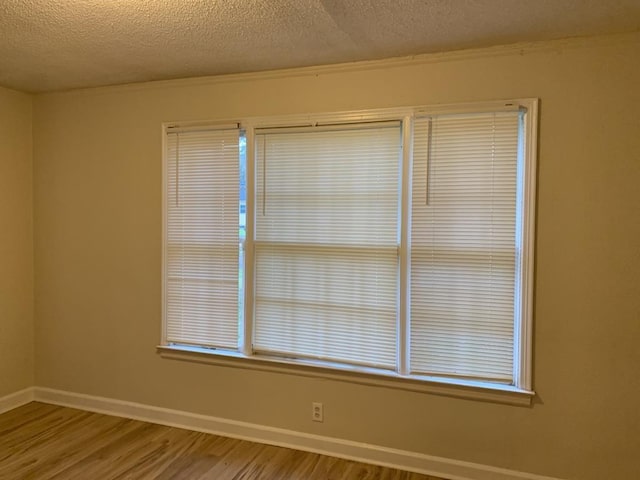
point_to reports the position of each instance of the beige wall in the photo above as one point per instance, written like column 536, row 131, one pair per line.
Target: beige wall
column 98, row 250
column 16, row 243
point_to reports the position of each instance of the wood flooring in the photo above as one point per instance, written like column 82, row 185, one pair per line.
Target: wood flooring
column 46, row 442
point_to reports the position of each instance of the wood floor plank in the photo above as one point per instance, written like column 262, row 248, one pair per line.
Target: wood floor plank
column 46, row 442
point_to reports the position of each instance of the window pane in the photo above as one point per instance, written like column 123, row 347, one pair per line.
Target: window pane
column 463, row 245
column 202, row 254
column 326, row 244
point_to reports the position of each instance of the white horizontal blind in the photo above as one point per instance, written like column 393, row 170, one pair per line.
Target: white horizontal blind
column 463, row 245
column 326, row 243
column 202, row 253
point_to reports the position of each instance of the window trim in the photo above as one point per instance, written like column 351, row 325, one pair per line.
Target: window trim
column 468, row 389
column 521, row 393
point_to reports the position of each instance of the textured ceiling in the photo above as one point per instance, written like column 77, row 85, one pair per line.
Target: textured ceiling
column 48, row 45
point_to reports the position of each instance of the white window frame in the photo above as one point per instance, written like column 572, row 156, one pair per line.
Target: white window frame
column 520, row 393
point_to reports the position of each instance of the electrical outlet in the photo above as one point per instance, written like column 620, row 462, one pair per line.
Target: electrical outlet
column 317, row 412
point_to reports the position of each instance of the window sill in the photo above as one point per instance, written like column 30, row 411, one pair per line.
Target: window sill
column 467, row 389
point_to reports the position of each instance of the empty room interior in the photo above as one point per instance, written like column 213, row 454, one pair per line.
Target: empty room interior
column 320, row 239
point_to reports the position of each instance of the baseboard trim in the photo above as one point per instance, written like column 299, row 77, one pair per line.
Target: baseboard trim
column 17, row 399
column 363, row 452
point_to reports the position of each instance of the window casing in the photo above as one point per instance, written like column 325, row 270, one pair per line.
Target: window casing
column 392, row 243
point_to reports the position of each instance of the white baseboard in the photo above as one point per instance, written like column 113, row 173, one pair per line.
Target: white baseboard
column 17, row 399
column 363, row 452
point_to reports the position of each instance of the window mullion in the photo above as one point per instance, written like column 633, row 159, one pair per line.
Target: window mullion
column 404, row 250
column 249, row 285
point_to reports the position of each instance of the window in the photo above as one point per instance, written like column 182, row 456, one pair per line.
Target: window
column 326, row 249
column 202, row 255
column 395, row 243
